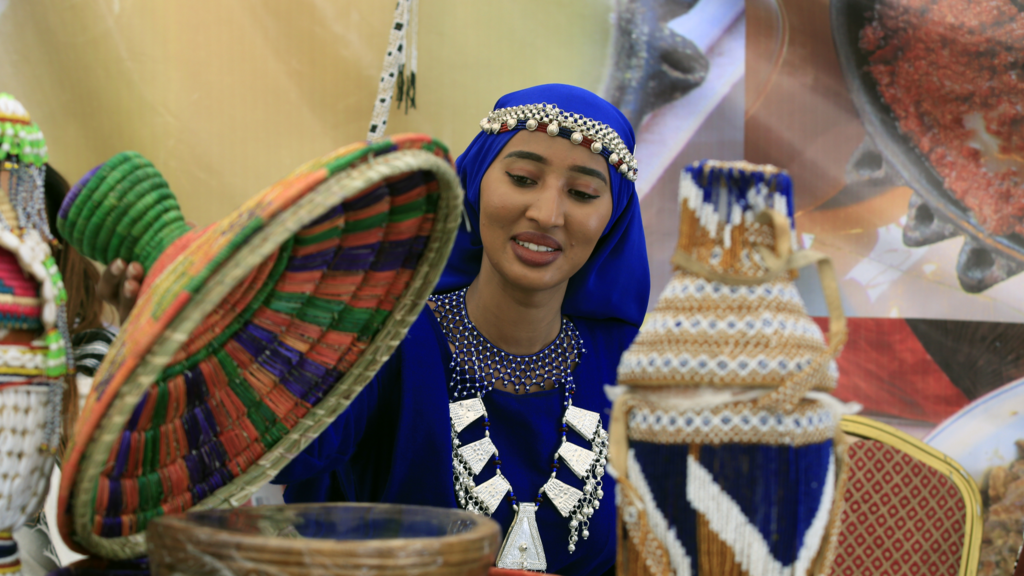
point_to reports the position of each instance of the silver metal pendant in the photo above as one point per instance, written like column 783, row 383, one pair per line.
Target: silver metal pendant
column 491, row 492
column 578, row 459
column 477, row 454
column 563, row 496
column 583, row 421
column 522, row 548
column 465, row 412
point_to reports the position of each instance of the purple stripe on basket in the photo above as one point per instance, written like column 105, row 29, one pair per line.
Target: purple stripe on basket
column 406, row 185
column 254, row 339
column 391, row 255
column 315, row 261
column 208, row 422
column 303, row 377
column 355, row 258
column 133, row 422
column 329, row 215
column 122, row 454
column 327, row 381
column 419, row 244
column 192, row 429
column 69, row 198
column 369, row 199
column 111, row 527
column 279, row 359
column 195, row 468
column 114, row 499
column 196, row 393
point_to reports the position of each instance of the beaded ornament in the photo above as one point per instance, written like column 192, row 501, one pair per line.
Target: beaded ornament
column 580, row 130
column 32, row 299
column 477, row 365
column 723, row 440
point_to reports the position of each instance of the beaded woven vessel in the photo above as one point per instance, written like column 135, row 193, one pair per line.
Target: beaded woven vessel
column 33, row 330
column 249, row 337
column 723, row 449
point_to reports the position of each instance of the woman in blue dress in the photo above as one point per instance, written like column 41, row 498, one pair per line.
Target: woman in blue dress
column 495, row 400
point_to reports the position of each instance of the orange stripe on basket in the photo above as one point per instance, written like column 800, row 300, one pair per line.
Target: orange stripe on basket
column 271, row 320
column 298, row 282
column 337, row 222
column 238, row 354
column 322, row 246
column 364, row 238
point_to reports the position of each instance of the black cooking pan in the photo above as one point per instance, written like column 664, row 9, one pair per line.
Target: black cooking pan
column 934, row 213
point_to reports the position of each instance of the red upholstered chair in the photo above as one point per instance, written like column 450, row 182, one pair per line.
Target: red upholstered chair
column 910, row 510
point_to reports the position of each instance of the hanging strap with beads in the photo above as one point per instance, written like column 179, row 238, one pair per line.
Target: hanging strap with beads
column 401, row 42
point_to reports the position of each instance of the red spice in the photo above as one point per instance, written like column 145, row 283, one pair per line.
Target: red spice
column 941, row 63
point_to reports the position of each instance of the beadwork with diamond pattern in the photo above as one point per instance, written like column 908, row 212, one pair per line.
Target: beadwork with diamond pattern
column 480, row 365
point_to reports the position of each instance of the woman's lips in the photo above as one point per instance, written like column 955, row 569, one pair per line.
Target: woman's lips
column 534, row 249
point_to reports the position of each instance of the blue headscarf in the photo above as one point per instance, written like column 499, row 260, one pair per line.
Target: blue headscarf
column 615, row 282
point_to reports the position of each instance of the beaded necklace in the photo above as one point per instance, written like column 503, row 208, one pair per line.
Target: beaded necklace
column 477, row 365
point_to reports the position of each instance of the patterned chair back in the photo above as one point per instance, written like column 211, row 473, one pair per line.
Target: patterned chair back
column 909, row 509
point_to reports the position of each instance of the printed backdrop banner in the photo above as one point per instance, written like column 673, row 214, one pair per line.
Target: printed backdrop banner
column 226, row 97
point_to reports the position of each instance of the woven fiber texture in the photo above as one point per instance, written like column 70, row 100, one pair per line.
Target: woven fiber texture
column 725, row 319
column 726, row 466
column 343, row 539
column 251, row 336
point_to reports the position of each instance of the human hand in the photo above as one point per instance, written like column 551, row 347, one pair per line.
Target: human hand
column 119, row 286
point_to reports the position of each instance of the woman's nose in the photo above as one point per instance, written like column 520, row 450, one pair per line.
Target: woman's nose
column 546, row 208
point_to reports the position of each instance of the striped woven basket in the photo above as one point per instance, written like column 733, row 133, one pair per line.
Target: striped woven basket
column 249, row 337
column 723, row 436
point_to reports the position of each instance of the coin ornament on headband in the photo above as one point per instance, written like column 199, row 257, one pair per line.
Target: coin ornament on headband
column 599, row 137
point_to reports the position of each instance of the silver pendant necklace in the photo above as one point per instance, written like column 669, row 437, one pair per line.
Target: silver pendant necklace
column 477, row 365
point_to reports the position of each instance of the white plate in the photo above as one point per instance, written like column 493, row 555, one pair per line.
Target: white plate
column 982, row 434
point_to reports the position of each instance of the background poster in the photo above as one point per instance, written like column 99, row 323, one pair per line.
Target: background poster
column 929, row 331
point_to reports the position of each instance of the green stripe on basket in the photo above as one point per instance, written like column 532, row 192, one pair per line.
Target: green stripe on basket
column 364, row 224
column 408, row 211
column 352, row 319
column 373, row 324
column 320, row 311
column 287, row 302
column 151, row 452
column 332, row 232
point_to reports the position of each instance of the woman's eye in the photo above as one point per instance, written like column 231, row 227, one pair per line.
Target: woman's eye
column 582, row 195
column 519, row 180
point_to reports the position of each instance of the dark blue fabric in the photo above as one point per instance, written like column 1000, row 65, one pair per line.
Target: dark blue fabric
column 615, row 282
column 393, row 444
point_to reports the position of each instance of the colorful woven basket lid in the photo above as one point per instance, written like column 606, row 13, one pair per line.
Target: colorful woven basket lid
column 731, row 316
column 248, row 337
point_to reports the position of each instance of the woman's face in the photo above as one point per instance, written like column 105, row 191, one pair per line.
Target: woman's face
column 544, row 203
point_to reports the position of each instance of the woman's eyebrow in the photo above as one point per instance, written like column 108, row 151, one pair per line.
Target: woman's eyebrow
column 587, row 171
column 527, row 156
column 533, row 156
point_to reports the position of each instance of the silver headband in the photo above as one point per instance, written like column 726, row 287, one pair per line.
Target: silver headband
column 599, row 137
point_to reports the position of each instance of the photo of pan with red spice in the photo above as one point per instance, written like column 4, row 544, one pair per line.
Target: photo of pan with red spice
column 939, row 87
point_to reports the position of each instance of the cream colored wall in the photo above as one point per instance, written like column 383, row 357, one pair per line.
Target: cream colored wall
column 226, row 96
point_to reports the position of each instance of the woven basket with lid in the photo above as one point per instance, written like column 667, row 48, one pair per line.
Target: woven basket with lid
column 248, row 337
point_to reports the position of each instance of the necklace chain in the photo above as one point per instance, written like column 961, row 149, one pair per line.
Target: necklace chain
column 477, row 365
